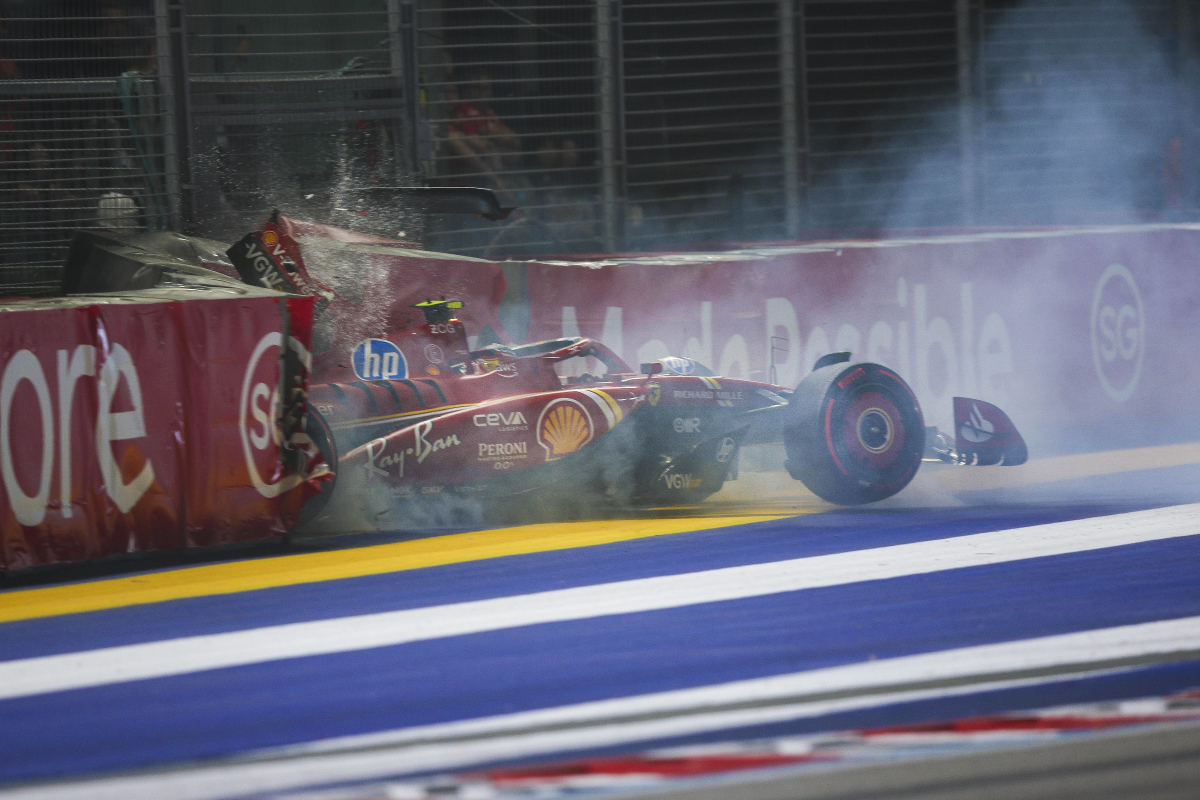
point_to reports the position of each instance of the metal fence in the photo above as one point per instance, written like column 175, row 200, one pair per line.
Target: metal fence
column 703, row 121
column 612, row 124
column 509, row 101
column 291, row 105
column 1083, row 110
column 883, row 89
column 84, row 133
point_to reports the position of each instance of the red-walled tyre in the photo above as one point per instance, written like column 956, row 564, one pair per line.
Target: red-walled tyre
column 856, row 433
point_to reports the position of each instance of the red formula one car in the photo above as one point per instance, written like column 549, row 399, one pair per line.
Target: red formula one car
column 401, row 400
column 418, row 411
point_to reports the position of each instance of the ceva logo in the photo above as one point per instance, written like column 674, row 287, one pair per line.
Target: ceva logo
column 379, row 360
column 1118, row 332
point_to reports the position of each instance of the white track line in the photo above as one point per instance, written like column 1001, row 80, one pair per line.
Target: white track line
column 32, row 676
column 600, row 724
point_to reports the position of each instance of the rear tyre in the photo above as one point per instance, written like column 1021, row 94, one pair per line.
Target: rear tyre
column 856, row 433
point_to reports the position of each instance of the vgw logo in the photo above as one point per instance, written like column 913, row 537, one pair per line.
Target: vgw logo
column 379, row 360
column 260, row 399
column 1118, row 332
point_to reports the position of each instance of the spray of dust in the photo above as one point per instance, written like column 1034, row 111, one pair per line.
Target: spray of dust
column 1069, row 129
column 1079, row 119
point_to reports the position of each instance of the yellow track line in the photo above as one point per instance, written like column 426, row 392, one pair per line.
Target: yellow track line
column 266, row 573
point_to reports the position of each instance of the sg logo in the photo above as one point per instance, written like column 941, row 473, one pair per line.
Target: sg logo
column 1118, row 332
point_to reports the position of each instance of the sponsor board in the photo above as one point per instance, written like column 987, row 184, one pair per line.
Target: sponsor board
column 1078, row 331
column 51, row 415
column 101, row 412
column 261, row 434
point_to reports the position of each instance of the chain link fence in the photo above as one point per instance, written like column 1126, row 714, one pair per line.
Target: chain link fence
column 611, row 124
column 292, row 106
column 509, row 102
column 1083, row 110
column 84, row 133
column 703, row 121
column 883, row 90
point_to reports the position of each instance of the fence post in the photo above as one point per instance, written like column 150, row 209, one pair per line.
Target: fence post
column 396, row 68
column 1185, row 32
column 791, row 133
column 175, row 59
column 611, row 113
column 966, row 119
column 411, row 90
column 166, row 111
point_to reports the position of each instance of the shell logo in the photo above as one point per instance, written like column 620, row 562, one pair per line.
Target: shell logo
column 270, row 238
column 564, row 427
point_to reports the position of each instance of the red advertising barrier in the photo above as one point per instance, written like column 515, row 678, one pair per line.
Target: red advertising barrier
column 1087, row 337
column 143, row 422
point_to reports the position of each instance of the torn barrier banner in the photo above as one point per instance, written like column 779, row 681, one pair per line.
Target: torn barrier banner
column 1084, row 336
column 133, row 424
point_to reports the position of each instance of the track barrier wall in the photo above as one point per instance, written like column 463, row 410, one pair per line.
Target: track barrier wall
column 1087, row 337
column 143, row 422
column 148, row 421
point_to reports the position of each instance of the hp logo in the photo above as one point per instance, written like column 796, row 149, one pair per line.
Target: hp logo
column 379, row 360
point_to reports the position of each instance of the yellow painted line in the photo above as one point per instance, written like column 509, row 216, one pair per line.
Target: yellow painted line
column 266, row 573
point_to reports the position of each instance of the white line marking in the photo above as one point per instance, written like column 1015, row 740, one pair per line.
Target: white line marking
column 1004, row 658
column 77, row 670
column 687, row 712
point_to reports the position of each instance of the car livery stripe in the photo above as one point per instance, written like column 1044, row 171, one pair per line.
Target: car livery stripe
column 367, row 391
column 417, row 391
column 341, row 393
column 716, row 386
column 241, row 576
column 395, row 395
column 610, row 408
column 437, row 387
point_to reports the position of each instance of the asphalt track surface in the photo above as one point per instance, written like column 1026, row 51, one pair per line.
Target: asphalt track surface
column 764, row 613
